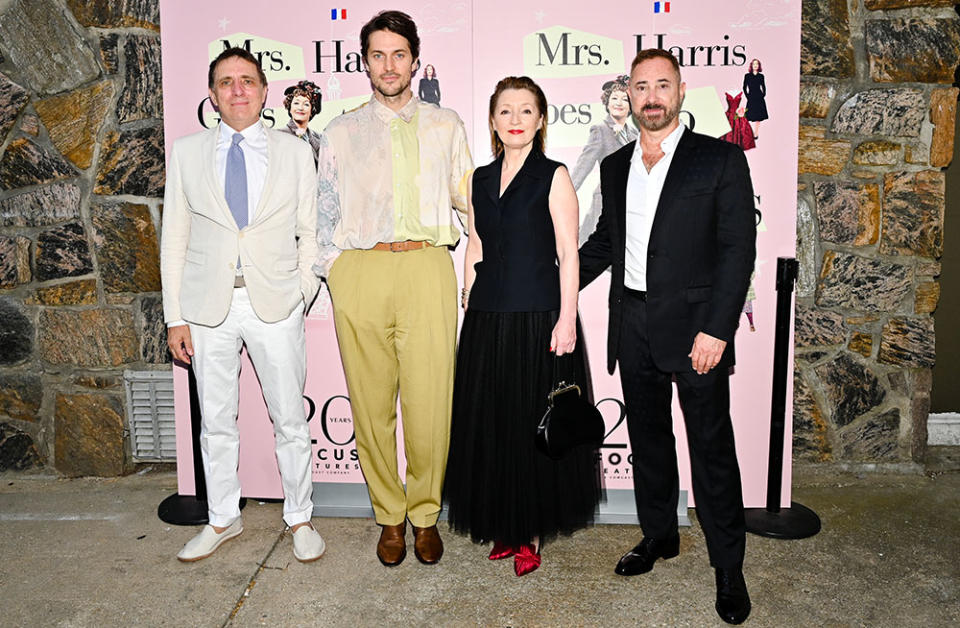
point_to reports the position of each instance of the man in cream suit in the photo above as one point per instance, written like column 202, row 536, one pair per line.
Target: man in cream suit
column 237, row 247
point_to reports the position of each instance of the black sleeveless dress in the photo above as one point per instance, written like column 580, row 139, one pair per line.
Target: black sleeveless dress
column 498, row 486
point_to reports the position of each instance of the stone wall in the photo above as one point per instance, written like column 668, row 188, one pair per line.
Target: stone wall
column 81, row 176
column 877, row 111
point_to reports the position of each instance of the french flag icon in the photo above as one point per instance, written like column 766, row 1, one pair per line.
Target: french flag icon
column 341, row 14
column 661, row 7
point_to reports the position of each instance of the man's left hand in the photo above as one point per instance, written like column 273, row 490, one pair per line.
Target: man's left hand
column 706, row 352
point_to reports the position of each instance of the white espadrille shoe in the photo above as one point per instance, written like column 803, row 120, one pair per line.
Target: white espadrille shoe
column 207, row 542
column 308, row 545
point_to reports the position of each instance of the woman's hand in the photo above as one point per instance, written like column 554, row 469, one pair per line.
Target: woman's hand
column 564, row 337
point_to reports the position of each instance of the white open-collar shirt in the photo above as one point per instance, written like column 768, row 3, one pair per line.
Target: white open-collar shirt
column 643, row 196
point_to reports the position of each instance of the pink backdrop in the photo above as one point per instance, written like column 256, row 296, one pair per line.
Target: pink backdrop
column 472, row 46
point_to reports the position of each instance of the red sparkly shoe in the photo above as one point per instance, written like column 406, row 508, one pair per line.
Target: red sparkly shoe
column 501, row 550
column 526, row 560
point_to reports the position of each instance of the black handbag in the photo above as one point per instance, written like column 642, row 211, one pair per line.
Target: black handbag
column 570, row 421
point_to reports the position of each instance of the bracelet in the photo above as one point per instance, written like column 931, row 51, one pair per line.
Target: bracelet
column 464, row 297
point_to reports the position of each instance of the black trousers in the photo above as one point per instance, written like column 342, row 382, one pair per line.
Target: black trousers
column 705, row 402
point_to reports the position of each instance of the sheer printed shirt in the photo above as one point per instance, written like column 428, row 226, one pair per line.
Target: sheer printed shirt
column 385, row 176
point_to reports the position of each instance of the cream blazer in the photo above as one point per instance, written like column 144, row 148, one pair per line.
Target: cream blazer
column 200, row 241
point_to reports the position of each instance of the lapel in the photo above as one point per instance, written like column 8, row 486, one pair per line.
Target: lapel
column 209, row 151
column 269, row 181
column 530, row 168
column 620, row 173
column 488, row 179
column 676, row 178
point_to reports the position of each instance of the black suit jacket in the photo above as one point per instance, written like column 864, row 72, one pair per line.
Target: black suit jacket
column 701, row 251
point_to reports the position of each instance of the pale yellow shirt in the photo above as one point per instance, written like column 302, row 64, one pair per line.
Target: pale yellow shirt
column 385, row 176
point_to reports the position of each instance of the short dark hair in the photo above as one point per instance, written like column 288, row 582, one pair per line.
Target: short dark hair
column 235, row 52
column 519, row 82
column 394, row 21
column 655, row 53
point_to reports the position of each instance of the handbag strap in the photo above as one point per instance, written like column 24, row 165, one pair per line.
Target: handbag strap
column 563, row 370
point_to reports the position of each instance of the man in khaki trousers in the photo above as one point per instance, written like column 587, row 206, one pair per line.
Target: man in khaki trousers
column 390, row 174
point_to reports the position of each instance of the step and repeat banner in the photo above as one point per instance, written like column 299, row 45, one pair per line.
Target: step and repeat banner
column 738, row 58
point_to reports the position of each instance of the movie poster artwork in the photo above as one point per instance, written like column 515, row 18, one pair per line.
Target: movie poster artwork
column 740, row 63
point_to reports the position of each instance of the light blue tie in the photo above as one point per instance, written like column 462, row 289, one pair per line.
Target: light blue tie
column 235, row 182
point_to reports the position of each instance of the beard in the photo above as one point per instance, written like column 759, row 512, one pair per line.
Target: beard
column 669, row 115
column 397, row 88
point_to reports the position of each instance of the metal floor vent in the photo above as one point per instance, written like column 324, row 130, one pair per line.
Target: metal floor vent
column 150, row 408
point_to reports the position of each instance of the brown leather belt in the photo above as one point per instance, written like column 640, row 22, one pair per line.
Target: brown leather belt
column 400, row 247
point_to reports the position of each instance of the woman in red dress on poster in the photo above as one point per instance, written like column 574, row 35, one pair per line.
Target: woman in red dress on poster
column 740, row 132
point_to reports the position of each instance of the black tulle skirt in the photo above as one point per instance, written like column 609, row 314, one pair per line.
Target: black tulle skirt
column 498, row 486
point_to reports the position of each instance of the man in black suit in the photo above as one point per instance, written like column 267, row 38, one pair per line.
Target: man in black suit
column 677, row 231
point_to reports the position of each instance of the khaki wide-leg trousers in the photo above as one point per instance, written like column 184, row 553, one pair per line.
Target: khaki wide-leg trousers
column 396, row 320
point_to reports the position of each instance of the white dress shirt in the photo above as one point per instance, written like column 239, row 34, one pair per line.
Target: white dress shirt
column 643, row 196
column 254, row 146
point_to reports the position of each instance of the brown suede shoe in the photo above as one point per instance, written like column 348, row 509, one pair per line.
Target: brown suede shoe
column 427, row 545
column 392, row 546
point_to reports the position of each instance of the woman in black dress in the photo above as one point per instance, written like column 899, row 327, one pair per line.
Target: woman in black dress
column 521, row 282
column 755, row 90
column 429, row 88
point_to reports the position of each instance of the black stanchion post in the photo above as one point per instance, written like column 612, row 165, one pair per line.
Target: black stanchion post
column 797, row 521
column 190, row 510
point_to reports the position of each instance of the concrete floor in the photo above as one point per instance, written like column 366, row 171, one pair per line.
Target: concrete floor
column 92, row 552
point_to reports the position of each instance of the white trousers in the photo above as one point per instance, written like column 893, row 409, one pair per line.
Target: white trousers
column 278, row 353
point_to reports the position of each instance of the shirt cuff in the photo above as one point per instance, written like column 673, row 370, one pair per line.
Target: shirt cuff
column 175, row 324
